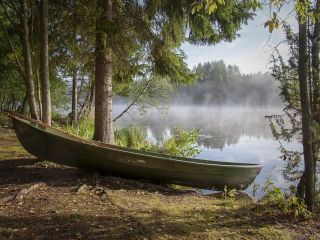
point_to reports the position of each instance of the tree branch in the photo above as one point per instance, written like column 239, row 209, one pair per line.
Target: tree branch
column 15, row 56
column 134, row 101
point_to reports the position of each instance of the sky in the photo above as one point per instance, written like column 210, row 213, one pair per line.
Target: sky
column 251, row 51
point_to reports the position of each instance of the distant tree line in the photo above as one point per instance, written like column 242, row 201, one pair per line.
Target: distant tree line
column 219, row 84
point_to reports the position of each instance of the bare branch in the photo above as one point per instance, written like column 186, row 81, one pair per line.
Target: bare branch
column 133, row 102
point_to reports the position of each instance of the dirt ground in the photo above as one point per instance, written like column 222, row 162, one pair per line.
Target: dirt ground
column 43, row 200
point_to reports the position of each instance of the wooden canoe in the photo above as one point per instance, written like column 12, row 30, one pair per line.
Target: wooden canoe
column 50, row 143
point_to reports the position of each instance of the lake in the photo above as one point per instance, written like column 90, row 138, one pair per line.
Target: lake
column 235, row 134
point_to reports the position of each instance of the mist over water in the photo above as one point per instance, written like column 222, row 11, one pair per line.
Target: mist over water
column 221, row 84
column 229, row 108
column 227, row 133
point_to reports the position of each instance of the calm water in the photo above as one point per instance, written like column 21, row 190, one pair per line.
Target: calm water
column 236, row 134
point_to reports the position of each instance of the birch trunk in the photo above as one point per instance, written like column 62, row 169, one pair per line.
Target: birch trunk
column 26, row 51
column 74, row 112
column 44, row 63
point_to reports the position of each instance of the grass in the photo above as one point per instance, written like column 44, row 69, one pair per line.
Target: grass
column 128, row 209
column 4, row 121
column 132, row 137
column 9, row 146
column 84, row 128
column 182, row 143
column 198, row 217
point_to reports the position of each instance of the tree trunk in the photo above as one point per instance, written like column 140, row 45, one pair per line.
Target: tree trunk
column 44, row 63
column 315, row 65
column 88, row 104
column 306, row 116
column 38, row 88
column 103, row 75
column 74, row 112
column 315, row 80
column 26, row 51
column 24, row 105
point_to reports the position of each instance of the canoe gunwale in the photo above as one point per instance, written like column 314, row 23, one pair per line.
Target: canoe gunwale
column 39, row 125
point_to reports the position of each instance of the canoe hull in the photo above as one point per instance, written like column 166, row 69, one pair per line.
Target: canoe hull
column 48, row 143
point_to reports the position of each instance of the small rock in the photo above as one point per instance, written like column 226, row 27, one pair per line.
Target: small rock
column 78, row 235
column 104, row 196
column 83, row 188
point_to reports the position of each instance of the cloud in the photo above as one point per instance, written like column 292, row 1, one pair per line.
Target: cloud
column 251, row 52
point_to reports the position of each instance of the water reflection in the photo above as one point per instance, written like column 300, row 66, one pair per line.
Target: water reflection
column 227, row 134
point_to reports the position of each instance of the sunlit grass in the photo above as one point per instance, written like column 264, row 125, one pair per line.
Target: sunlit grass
column 132, row 137
column 182, row 143
column 84, row 128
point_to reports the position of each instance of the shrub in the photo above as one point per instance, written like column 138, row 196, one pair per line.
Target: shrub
column 229, row 193
column 183, row 143
column 290, row 205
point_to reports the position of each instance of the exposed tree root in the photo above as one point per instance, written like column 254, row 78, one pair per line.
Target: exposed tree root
column 20, row 194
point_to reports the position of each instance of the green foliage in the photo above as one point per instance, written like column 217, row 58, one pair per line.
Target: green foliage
column 298, row 208
column 151, row 93
column 12, row 88
column 302, row 8
column 182, row 143
column 59, row 96
column 210, row 6
column 229, row 193
column 132, row 137
column 274, row 196
column 291, row 205
column 228, row 16
column 287, row 127
column 273, row 23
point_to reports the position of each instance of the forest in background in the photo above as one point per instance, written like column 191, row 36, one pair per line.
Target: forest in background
column 220, row 84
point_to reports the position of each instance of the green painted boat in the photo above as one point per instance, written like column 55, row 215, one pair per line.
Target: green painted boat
column 46, row 142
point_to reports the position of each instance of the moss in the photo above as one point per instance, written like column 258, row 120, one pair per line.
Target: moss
column 6, row 232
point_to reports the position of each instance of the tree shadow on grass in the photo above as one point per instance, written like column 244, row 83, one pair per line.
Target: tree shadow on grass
column 32, row 170
column 120, row 225
column 118, row 222
column 26, row 171
column 73, row 226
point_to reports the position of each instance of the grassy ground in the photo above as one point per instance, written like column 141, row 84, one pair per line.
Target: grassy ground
column 70, row 203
